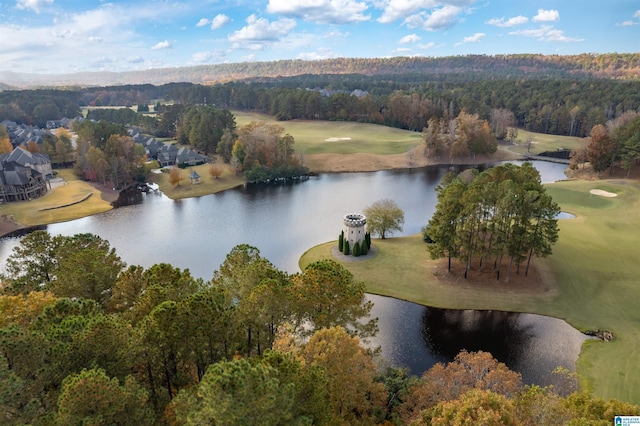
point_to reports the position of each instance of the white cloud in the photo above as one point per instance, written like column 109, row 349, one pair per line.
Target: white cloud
column 67, row 41
column 429, row 45
column 415, row 11
column 261, row 30
column 401, row 9
column 501, row 22
column 34, row 5
column 441, row 18
column 135, row 59
column 472, row 39
column 202, row 22
column 411, row 38
column 550, row 15
column 631, row 22
column 161, row 45
column 321, row 11
column 545, row 33
column 219, row 21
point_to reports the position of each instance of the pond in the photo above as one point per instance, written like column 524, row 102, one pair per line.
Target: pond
column 283, row 221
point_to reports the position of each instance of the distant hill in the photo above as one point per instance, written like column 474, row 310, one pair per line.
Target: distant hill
column 610, row 66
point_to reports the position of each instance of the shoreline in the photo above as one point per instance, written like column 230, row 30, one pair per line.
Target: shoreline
column 322, row 163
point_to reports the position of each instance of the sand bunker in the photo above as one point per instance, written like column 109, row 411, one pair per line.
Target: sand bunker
column 602, row 193
column 337, row 139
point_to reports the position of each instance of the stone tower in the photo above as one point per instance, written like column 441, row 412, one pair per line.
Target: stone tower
column 354, row 228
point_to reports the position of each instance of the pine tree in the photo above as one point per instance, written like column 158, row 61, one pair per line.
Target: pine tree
column 356, row 249
column 346, row 248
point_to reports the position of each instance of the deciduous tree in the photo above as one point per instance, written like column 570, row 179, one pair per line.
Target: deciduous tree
column 175, row 176
column 356, row 398
column 384, row 217
column 601, row 149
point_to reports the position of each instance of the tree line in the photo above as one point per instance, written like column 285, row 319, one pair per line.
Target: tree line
column 86, row 339
column 566, row 104
column 615, row 143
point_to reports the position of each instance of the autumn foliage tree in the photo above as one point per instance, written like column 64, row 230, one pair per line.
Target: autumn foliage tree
column 469, row 370
column 384, row 217
column 601, row 149
column 215, row 170
column 5, row 142
column 175, row 176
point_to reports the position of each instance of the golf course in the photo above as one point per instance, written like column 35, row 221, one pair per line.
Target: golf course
column 590, row 280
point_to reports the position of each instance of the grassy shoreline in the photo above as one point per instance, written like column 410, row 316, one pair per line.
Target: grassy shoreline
column 590, row 281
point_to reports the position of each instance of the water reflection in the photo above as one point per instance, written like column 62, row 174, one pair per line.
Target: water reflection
column 532, row 345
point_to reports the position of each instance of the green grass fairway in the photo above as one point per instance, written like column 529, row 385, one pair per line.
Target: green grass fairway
column 592, row 280
column 543, row 142
column 339, row 137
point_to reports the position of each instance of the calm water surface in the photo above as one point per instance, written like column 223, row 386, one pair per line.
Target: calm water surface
column 283, row 221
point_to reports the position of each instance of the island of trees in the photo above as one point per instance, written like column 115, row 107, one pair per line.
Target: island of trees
column 501, row 213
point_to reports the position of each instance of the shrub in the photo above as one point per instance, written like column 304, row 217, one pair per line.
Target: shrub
column 341, row 241
column 356, row 249
column 346, row 248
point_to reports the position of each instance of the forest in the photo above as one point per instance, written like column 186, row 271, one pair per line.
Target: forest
column 562, row 95
column 87, row 339
column 582, row 66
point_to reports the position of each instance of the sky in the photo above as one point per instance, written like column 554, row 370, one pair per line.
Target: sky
column 66, row 36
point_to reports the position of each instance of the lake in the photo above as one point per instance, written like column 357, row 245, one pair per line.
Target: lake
column 285, row 220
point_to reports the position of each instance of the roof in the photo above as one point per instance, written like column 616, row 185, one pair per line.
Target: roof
column 24, row 157
column 12, row 173
column 194, row 175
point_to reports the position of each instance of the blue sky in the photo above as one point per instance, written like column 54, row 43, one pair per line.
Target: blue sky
column 63, row 36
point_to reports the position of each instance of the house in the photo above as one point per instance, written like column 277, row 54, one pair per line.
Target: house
column 188, row 157
column 151, row 147
column 167, row 155
column 23, row 175
column 21, row 134
column 32, row 160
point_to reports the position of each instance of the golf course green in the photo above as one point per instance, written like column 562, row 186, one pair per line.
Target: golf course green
column 592, row 280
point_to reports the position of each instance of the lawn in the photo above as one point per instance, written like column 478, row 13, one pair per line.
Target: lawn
column 208, row 184
column 73, row 200
column 591, row 280
column 542, row 142
column 339, row 137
